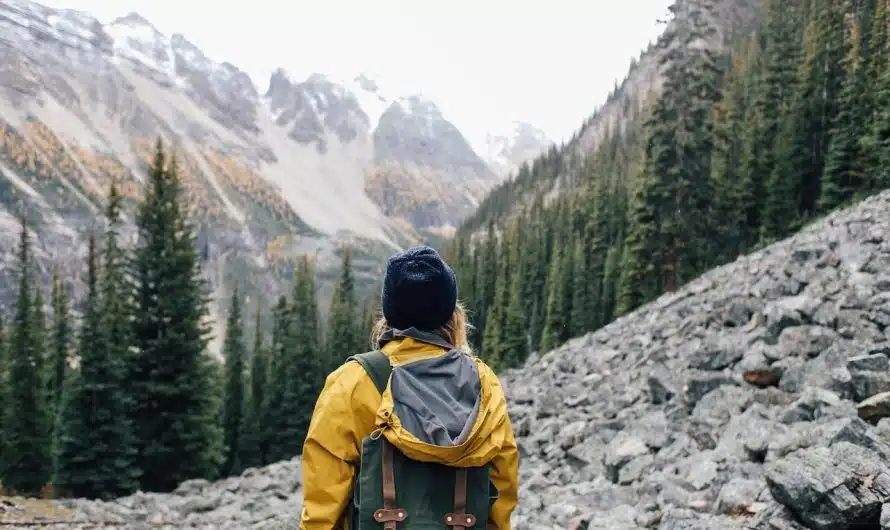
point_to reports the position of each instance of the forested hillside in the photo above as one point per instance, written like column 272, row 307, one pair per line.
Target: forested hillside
column 126, row 397
column 740, row 146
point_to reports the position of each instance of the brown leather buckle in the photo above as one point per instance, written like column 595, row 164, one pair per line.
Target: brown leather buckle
column 460, row 520
column 384, row 515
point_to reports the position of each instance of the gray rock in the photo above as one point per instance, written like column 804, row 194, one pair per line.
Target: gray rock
column 831, row 488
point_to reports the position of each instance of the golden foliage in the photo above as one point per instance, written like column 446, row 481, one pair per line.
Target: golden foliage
column 200, row 197
column 252, row 186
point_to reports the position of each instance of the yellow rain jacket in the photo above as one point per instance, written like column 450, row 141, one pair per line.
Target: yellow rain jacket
column 349, row 408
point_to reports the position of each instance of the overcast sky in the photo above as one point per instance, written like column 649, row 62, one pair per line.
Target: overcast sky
column 485, row 62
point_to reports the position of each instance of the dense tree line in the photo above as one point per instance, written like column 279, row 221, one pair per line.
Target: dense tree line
column 739, row 148
column 128, row 397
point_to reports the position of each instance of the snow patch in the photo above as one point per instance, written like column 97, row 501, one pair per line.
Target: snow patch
column 326, row 191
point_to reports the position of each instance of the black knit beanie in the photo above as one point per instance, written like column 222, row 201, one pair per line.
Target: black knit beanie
column 420, row 290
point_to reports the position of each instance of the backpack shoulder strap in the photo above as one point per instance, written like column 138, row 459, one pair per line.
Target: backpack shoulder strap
column 376, row 363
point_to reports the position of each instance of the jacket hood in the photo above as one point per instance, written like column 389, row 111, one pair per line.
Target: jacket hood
column 438, row 405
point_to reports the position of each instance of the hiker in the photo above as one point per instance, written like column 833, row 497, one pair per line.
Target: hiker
column 414, row 434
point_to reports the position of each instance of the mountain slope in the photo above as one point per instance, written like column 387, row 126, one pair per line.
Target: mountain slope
column 731, row 403
column 302, row 167
column 626, row 107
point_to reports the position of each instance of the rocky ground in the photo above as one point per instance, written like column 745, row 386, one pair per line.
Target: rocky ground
column 757, row 397
column 264, row 499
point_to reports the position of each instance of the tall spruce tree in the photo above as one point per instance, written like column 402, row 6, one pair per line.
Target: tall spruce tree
column 42, row 345
column 4, row 388
column 27, row 447
column 234, row 408
column 297, row 375
column 875, row 143
column 61, row 343
column 597, row 247
column 844, row 178
column 343, row 337
column 582, row 297
column 514, row 337
column 305, row 333
column 277, row 397
column 170, row 365
column 259, row 372
column 555, row 321
column 95, row 445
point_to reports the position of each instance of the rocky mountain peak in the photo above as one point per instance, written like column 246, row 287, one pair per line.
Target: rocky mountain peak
column 298, row 169
column 366, row 83
column 134, row 20
column 507, row 150
column 139, row 40
column 279, row 84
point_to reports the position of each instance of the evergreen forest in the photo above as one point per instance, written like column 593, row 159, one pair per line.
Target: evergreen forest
column 127, row 398
column 749, row 139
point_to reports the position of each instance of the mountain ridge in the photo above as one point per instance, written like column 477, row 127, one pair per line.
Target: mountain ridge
column 305, row 167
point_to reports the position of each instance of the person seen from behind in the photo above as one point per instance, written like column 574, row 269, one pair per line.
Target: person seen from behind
column 414, row 434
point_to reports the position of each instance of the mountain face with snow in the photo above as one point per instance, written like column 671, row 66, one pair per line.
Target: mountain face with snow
column 304, row 166
column 505, row 152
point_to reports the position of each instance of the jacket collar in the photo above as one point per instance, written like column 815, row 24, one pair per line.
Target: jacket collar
column 430, row 337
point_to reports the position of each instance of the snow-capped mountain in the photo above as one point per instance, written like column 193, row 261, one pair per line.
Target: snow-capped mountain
column 301, row 166
column 507, row 150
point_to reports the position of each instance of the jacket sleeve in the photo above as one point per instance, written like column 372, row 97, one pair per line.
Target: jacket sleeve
column 331, row 451
column 505, row 476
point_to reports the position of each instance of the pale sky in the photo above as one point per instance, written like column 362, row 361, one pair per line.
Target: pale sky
column 484, row 62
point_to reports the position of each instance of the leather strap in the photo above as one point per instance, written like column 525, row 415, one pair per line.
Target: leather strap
column 460, row 520
column 389, row 515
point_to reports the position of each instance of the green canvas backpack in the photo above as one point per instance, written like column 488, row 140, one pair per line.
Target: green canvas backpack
column 392, row 492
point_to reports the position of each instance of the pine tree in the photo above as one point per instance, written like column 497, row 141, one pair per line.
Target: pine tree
column 729, row 189
column 61, row 343
column 513, row 342
column 95, row 445
column 611, row 281
column 170, row 365
column 486, row 285
column 597, row 237
column 582, row 304
column 27, row 449
column 876, row 141
column 259, row 371
column 343, row 337
column 773, row 77
column 4, row 387
column 492, row 343
column 369, row 318
column 297, row 374
column 640, row 281
column 555, row 321
column 278, row 396
column 234, row 400
column 310, row 370
column 844, row 176
column 40, row 336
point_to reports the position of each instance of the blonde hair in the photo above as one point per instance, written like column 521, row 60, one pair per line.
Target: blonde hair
column 454, row 331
